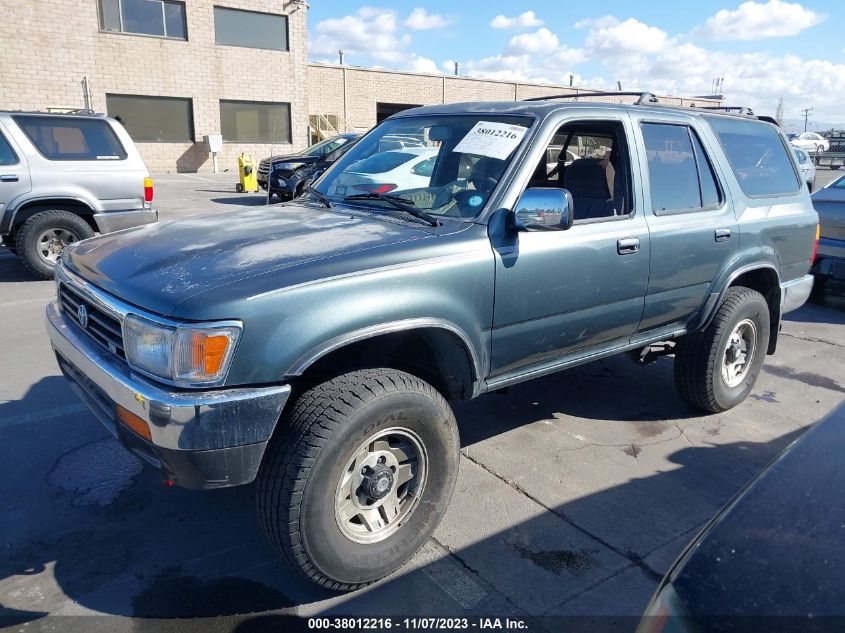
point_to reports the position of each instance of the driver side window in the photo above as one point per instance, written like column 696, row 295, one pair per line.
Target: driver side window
column 589, row 159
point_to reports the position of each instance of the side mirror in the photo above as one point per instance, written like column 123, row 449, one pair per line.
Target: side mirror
column 544, row 209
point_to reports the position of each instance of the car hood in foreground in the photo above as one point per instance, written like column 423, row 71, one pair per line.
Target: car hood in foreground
column 779, row 548
column 159, row 265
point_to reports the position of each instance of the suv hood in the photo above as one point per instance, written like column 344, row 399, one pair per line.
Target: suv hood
column 159, row 265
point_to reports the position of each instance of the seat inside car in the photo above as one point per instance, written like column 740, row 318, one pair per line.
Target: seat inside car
column 587, row 181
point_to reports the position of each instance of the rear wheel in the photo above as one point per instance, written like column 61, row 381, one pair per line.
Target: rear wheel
column 43, row 237
column 716, row 368
column 360, row 476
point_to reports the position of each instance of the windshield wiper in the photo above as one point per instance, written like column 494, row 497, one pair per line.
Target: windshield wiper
column 320, row 196
column 403, row 204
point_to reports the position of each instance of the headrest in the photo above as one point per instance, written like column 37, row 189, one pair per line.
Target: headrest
column 486, row 167
column 587, row 178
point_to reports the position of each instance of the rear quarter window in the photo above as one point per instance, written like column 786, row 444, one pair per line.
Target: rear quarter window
column 65, row 138
column 758, row 156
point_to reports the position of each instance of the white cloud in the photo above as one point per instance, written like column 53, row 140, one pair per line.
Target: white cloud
column 422, row 20
column 525, row 20
column 420, row 64
column 537, row 42
column 368, row 30
column 612, row 38
column 755, row 21
column 602, row 22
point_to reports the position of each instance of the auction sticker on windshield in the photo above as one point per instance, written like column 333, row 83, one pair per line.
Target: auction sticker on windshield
column 496, row 140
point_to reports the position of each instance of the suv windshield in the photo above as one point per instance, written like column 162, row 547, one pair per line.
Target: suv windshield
column 452, row 171
column 324, row 147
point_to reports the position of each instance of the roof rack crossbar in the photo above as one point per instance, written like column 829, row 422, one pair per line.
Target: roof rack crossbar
column 644, row 97
column 743, row 110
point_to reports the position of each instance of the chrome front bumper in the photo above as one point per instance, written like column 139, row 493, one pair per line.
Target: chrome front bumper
column 200, row 439
column 794, row 293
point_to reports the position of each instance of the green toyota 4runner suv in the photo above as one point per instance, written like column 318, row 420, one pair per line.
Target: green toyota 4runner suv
column 315, row 347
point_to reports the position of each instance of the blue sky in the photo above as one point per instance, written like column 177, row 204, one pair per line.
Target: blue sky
column 764, row 49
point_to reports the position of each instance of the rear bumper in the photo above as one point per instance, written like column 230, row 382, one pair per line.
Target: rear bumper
column 794, row 293
column 200, row 439
column 117, row 220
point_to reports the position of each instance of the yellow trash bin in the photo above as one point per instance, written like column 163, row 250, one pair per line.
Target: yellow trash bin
column 247, row 177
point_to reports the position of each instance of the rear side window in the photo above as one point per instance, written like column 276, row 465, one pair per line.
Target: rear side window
column 758, row 157
column 66, row 138
column 680, row 175
column 7, row 154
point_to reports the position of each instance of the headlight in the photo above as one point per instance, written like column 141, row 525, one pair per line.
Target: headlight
column 185, row 355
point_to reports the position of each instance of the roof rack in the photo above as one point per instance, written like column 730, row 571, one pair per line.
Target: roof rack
column 644, row 97
column 743, row 110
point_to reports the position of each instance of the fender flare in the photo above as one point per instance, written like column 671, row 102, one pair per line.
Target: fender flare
column 303, row 362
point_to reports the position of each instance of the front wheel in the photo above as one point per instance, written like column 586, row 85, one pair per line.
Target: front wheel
column 360, row 476
column 716, row 368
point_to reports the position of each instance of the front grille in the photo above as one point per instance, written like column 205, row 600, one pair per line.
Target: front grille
column 264, row 167
column 101, row 326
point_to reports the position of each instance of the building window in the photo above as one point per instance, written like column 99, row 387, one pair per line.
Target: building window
column 153, row 119
column 161, row 18
column 255, row 122
column 233, row 27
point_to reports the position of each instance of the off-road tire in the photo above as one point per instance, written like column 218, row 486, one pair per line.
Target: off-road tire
column 26, row 238
column 699, row 355
column 320, row 432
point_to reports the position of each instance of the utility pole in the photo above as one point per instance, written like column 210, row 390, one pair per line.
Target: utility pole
column 340, row 54
column 806, row 114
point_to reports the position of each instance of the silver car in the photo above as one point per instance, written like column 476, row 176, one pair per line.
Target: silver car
column 808, row 168
column 64, row 177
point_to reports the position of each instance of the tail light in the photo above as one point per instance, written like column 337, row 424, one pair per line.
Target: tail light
column 816, row 244
column 376, row 188
column 148, row 189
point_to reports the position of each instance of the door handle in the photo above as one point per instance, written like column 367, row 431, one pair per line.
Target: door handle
column 628, row 245
column 8, row 178
column 723, row 235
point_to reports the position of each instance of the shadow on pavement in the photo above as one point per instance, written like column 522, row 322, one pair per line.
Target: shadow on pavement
column 242, row 201
column 151, row 552
column 12, row 269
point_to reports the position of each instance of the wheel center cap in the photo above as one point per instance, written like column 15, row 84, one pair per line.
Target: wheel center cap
column 379, row 483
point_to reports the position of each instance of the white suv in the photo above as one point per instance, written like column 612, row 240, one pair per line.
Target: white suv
column 63, row 177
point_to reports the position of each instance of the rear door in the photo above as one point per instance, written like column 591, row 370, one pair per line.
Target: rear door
column 690, row 217
column 14, row 175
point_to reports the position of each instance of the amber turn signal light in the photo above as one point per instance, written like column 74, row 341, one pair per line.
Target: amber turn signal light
column 134, row 423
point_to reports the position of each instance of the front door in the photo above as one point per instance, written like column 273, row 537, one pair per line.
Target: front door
column 563, row 293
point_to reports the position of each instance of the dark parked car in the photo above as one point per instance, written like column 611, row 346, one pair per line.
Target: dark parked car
column 774, row 558
column 284, row 174
column 307, row 174
column 317, row 350
column 830, row 259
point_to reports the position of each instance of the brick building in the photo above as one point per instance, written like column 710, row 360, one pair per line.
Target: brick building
column 175, row 71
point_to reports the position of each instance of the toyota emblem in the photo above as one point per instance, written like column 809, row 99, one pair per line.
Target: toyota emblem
column 82, row 315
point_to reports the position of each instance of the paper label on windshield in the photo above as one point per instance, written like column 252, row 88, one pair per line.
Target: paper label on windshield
column 496, row 140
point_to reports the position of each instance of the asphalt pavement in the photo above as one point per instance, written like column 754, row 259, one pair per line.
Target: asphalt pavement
column 576, row 491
